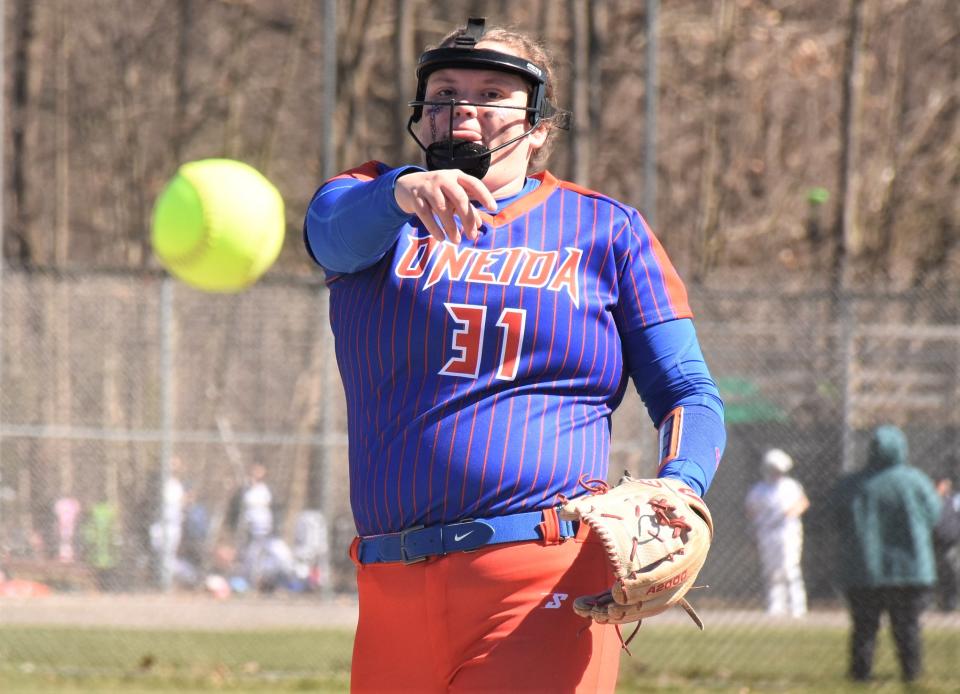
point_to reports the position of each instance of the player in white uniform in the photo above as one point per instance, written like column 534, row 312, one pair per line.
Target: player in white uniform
column 775, row 505
column 256, row 525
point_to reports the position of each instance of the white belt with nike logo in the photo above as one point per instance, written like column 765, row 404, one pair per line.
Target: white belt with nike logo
column 420, row 542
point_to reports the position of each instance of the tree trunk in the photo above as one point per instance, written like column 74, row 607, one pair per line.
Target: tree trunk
column 404, row 148
column 598, row 25
column 882, row 243
column 234, row 95
column 181, row 93
column 18, row 233
column 579, row 11
column 707, row 237
column 845, row 214
column 291, row 64
column 61, row 227
column 355, row 71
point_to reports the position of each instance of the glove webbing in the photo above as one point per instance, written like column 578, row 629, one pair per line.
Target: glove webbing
column 662, row 508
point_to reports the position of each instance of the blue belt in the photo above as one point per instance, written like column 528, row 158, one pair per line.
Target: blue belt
column 419, row 542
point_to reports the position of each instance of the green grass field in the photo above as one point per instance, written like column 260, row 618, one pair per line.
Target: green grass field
column 665, row 659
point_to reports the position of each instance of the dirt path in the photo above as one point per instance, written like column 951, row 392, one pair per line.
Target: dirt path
column 186, row 611
column 179, row 612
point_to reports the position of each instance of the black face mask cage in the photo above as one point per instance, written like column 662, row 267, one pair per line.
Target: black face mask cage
column 449, row 153
column 473, row 157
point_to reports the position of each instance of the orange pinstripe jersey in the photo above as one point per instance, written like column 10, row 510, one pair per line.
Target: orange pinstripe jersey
column 480, row 377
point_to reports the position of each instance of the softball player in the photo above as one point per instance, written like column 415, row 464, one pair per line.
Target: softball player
column 775, row 505
column 487, row 319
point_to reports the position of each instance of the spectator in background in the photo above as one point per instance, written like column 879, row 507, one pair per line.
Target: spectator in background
column 946, row 536
column 273, row 566
column 194, row 544
column 774, row 506
column 884, row 517
column 252, row 521
column 167, row 525
column 311, row 551
column 251, row 509
column 103, row 541
column 67, row 511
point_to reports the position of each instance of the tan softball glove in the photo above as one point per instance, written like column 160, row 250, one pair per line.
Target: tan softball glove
column 656, row 533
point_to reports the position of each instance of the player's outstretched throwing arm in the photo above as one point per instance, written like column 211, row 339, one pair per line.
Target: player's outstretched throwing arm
column 355, row 218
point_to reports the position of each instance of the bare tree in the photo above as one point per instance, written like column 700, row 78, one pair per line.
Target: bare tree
column 181, row 61
column 846, row 239
column 579, row 11
column 18, row 236
column 104, row 105
column 403, row 60
column 708, row 238
column 282, row 88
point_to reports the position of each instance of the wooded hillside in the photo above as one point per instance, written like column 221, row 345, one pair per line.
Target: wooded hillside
column 759, row 103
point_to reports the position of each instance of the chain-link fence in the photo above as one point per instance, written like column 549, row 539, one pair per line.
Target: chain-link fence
column 120, row 391
column 123, row 396
column 814, row 373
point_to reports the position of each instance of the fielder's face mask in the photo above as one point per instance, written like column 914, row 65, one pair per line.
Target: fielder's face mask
column 473, row 158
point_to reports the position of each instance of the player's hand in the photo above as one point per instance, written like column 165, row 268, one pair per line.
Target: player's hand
column 436, row 196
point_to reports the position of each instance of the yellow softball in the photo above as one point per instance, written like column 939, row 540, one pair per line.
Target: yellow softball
column 218, row 225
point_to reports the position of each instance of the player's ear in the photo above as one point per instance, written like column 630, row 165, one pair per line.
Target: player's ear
column 539, row 136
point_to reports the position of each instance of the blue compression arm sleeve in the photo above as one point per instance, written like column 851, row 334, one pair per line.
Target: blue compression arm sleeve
column 351, row 224
column 669, row 371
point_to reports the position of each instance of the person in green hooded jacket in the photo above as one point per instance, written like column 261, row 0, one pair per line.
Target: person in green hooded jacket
column 884, row 516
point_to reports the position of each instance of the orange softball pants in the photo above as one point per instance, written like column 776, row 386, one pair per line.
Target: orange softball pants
column 495, row 620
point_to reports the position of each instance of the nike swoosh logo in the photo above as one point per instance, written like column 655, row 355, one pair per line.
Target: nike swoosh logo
column 457, row 537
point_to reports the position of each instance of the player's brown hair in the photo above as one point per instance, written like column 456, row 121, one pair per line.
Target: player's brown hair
column 531, row 49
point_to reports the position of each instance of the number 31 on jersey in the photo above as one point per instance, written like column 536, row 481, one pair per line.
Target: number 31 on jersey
column 467, row 341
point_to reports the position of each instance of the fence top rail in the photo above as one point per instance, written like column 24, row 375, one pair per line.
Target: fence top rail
column 891, row 330
column 71, row 273
column 909, row 331
column 79, row 433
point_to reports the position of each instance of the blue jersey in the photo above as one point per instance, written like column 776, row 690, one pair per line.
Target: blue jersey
column 480, row 377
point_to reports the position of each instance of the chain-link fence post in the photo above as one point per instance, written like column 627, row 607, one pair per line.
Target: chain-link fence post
column 326, row 449
column 846, row 355
column 166, row 420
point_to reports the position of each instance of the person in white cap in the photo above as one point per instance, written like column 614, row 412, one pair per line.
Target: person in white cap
column 775, row 505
